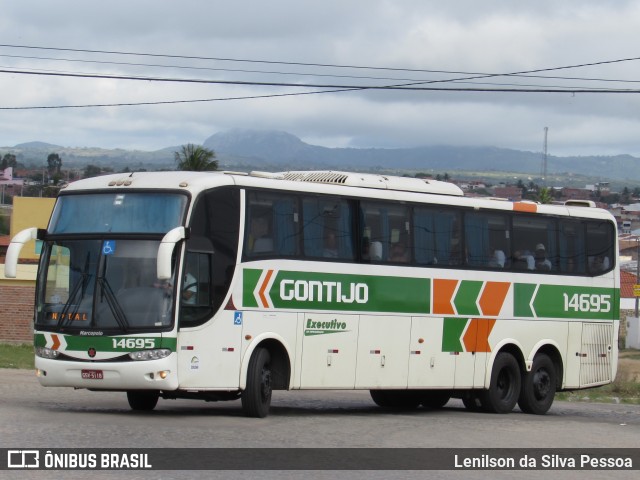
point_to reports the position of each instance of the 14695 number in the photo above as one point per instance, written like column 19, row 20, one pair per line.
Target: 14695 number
column 587, row 302
column 131, row 343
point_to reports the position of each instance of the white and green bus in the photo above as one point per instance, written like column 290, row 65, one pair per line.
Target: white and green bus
column 223, row 285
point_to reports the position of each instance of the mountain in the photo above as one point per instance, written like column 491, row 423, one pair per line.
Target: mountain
column 276, row 151
column 38, row 145
column 283, row 150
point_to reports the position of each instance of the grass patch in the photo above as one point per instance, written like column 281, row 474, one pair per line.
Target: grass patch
column 616, row 392
column 16, row 356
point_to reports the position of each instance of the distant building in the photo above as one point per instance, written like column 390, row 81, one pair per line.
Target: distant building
column 6, row 177
column 510, row 193
column 30, row 212
column 576, row 193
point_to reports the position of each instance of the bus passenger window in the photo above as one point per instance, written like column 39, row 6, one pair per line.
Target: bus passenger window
column 385, row 225
column 327, row 228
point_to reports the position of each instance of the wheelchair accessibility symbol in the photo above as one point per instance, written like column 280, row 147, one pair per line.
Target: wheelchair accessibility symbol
column 108, row 247
column 237, row 318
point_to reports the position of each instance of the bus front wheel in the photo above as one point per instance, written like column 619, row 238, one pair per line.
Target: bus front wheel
column 142, row 400
column 256, row 398
column 504, row 388
column 538, row 386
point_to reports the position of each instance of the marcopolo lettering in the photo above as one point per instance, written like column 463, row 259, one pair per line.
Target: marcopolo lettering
column 323, row 291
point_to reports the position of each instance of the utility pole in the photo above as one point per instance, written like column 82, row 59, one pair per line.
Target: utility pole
column 544, row 158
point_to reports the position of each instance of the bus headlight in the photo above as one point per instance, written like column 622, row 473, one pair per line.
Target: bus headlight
column 150, row 354
column 45, row 352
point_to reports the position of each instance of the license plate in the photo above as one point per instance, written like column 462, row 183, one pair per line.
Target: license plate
column 92, row 374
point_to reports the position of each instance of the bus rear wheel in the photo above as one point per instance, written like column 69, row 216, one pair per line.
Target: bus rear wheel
column 404, row 399
column 256, row 398
column 504, row 388
column 142, row 400
column 538, row 386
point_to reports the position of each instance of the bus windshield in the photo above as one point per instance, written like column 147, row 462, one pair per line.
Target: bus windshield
column 108, row 285
column 118, row 213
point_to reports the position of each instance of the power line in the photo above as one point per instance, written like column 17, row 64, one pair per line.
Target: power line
column 405, row 86
column 278, row 62
column 326, row 88
column 293, row 73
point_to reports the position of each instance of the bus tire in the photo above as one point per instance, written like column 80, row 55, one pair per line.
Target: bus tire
column 504, row 389
column 434, row 399
column 538, row 386
column 401, row 399
column 256, row 398
column 142, row 400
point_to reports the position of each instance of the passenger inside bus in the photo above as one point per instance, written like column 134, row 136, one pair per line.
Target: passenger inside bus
column 541, row 261
column 399, row 253
column 498, row 259
column 330, row 245
column 258, row 240
column 523, row 260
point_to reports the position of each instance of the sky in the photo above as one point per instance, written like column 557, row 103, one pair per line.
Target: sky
column 173, row 55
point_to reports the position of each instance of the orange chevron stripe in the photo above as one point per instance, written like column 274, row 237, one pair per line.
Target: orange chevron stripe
column 263, row 288
column 476, row 338
column 470, row 336
column 443, row 291
column 493, row 297
column 56, row 342
column 484, row 330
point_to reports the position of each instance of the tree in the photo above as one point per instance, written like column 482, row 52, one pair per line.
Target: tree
column 195, row 158
column 92, row 171
column 9, row 160
column 54, row 163
column 545, row 195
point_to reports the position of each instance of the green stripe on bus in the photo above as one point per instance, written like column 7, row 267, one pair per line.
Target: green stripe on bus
column 339, row 292
column 467, row 297
column 565, row 301
column 522, row 296
column 109, row 343
column 321, row 291
column 452, row 329
column 250, row 281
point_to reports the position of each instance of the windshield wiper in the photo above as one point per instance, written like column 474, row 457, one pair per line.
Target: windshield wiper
column 114, row 305
column 64, row 317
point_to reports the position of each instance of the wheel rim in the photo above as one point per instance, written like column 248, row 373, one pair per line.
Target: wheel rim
column 504, row 384
column 541, row 384
column 265, row 383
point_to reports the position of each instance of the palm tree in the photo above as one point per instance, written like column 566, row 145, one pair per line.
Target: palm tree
column 195, row 158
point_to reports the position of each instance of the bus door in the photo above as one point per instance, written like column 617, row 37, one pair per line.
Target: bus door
column 383, row 352
column 430, row 362
column 329, row 347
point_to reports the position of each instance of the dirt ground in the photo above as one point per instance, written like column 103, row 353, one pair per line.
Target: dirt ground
column 629, row 366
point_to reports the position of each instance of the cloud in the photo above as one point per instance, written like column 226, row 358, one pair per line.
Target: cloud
column 408, row 40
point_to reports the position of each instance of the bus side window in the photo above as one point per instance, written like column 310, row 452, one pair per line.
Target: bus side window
column 387, row 225
column 272, row 225
column 327, row 228
column 600, row 237
column 486, row 239
column 195, row 295
column 436, row 236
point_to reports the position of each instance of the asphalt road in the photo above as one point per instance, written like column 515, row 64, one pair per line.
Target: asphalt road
column 32, row 416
